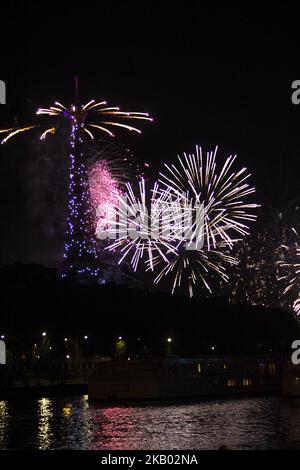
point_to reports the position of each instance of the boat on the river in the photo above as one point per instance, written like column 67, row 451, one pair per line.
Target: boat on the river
column 291, row 381
column 175, row 377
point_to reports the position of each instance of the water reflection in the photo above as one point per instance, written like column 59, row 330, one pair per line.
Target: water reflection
column 113, row 426
column 4, row 422
column 45, row 414
column 72, row 423
column 67, row 410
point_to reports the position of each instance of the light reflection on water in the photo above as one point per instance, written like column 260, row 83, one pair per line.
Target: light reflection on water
column 4, row 418
column 73, row 423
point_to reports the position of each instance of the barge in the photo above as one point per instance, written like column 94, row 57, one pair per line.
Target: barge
column 291, row 381
column 185, row 378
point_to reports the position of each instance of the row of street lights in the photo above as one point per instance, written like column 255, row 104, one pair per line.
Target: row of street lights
column 44, row 334
column 120, row 338
column 85, row 337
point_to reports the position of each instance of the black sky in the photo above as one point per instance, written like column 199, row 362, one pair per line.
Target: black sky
column 208, row 76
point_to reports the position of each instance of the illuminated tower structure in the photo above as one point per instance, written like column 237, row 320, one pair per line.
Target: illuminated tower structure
column 81, row 259
column 80, row 251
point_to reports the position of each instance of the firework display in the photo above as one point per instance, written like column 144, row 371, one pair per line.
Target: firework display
column 254, row 279
column 90, row 117
column 188, row 267
column 196, row 177
column 189, row 225
column 157, row 227
column 80, row 253
column 266, row 259
column 220, row 190
column 118, row 158
column 104, row 191
column 289, row 271
column 143, row 232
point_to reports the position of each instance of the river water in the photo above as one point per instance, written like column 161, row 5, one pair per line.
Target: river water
column 73, row 423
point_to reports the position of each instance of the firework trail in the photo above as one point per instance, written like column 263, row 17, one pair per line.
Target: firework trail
column 198, row 180
column 260, row 277
column 289, row 271
column 143, row 232
column 84, row 120
column 177, row 246
column 119, row 159
column 105, row 192
column 111, row 166
column 188, row 267
column 92, row 117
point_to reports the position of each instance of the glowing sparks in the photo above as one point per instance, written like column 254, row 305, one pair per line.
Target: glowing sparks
column 104, row 191
column 51, row 130
column 13, row 132
column 187, row 267
column 101, row 128
column 3, row 131
column 296, row 306
column 130, row 128
column 89, row 133
column 289, row 271
column 142, row 232
column 90, row 188
column 92, row 115
column 60, row 105
column 88, row 104
column 198, row 180
column 186, row 231
column 142, row 116
column 95, row 105
column 222, row 191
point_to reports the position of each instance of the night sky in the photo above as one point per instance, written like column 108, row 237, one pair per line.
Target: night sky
column 208, row 77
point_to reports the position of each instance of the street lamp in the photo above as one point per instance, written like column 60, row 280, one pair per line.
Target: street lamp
column 44, row 333
column 169, row 346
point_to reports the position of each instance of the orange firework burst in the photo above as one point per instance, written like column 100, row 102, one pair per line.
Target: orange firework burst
column 90, row 117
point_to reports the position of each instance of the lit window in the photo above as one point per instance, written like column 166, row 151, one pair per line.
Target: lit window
column 199, row 368
column 272, row 368
column 231, row 382
column 247, row 382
